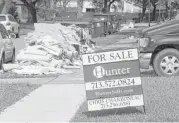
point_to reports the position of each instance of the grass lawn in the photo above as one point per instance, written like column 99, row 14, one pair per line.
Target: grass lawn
column 9, row 75
column 108, row 40
column 11, row 93
column 161, row 96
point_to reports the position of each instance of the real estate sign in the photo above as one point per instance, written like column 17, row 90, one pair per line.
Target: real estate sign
column 112, row 79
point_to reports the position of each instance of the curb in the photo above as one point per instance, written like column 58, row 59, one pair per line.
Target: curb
column 27, row 80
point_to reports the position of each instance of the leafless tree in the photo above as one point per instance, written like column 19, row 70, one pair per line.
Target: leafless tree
column 31, row 6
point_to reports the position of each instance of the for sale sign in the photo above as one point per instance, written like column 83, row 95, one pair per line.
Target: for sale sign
column 112, row 79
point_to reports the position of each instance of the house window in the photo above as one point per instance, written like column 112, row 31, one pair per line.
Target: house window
column 90, row 10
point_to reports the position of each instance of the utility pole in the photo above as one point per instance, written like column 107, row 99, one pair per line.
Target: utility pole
column 149, row 13
column 169, row 12
column 159, row 14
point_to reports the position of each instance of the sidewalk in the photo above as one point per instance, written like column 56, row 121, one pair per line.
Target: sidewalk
column 56, row 101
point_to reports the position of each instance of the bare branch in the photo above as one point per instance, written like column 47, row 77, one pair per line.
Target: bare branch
column 35, row 1
column 26, row 3
column 67, row 1
column 29, row 4
column 110, row 3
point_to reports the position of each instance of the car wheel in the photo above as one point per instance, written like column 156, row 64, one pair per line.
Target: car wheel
column 166, row 62
column 2, row 61
column 13, row 57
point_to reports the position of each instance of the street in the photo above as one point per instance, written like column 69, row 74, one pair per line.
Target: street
column 19, row 43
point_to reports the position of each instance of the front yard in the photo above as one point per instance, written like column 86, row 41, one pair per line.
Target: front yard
column 161, row 102
column 10, row 93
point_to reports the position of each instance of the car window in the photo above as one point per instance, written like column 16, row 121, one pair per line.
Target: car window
column 11, row 19
column 2, row 18
column 3, row 31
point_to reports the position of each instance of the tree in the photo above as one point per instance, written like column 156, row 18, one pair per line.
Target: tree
column 165, row 3
column 31, row 6
column 46, row 9
column 105, row 4
column 13, row 10
column 144, row 7
column 154, row 4
column 169, row 5
column 98, row 4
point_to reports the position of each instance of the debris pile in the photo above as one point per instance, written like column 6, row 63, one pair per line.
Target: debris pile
column 51, row 48
column 129, row 25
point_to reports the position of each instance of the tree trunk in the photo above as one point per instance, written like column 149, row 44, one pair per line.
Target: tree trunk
column 153, row 13
column 109, row 7
column 34, row 15
column 33, row 12
column 169, row 13
column 143, row 13
column 32, row 9
column 166, row 9
column 105, row 6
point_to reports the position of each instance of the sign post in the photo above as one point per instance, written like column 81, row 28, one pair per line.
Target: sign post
column 149, row 13
column 112, row 80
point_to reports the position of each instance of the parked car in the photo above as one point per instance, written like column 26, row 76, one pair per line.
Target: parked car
column 7, row 48
column 159, row 48
column 11, row 25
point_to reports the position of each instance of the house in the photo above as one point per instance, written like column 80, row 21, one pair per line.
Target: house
column 87, row 5
column 128, row 6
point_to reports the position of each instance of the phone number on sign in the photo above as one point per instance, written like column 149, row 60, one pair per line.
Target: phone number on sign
column 114, row 105
column 113, row 83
